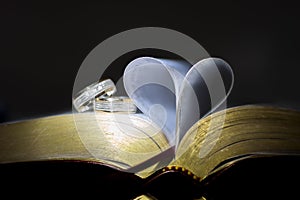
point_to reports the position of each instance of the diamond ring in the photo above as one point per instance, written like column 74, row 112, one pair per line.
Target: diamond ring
column 83, row 101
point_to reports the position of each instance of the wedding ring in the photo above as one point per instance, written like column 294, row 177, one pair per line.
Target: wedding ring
column 84, row 99
column 115, row 104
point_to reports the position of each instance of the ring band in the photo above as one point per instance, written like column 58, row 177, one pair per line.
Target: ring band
column 84, row 98
column 115, row 104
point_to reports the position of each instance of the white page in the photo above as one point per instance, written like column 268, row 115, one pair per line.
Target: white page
column 174, row 94
column 154, row 84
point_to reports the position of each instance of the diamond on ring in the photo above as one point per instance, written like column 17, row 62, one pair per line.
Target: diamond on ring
column 84, row 99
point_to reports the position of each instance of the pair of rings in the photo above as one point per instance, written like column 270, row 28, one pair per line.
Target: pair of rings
column 98, row 96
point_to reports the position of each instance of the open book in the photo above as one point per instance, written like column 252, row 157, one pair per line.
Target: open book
column 170, row 141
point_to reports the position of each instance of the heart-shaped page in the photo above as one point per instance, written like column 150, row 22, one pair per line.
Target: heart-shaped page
column 175, row 94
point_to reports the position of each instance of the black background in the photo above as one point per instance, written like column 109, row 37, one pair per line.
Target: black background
column 43, row 44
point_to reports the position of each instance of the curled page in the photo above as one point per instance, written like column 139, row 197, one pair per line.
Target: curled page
column 154, row 84
column 174, row 94
column 205, row 87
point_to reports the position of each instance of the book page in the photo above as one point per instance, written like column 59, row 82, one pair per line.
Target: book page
column 120, row 143
column 154, row 84
column 249, row 131
column 175, row 94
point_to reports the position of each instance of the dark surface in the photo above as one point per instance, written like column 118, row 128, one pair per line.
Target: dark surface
column 63, row 179
column 262, row 178
column 44, row 43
